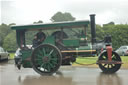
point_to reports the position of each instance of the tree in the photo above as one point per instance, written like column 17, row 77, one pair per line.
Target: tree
column 99, row 33
column 4, row 31
column 9, row 42
column 59, row 16
column 110, row 23
column 12, row 24
column 40, row 21
column 119, row 34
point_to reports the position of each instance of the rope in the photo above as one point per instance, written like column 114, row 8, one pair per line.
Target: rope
column 85, row 64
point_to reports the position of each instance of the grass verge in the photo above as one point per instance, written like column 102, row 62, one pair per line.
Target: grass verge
column 12, row 55
column 89, row 61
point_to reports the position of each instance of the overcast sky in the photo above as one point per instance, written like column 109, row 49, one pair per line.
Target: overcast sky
column 28, row 11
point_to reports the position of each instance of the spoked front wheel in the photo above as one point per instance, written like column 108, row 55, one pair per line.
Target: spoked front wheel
column 46, row 59
column 109, row 67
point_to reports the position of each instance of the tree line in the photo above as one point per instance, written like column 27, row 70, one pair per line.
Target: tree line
column 119, row 32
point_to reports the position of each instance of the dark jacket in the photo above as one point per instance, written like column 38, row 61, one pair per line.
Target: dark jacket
column 35, row 43
column 40, row 36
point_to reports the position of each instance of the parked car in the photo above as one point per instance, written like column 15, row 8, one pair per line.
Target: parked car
column 122, row 51
column 3, row 54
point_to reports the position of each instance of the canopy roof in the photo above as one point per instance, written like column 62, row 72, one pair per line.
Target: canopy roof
column 51, row 25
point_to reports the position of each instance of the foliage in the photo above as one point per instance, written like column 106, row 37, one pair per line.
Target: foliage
column 29, row 36
column 10, row 42
column 110, row 23
column 4, row 31
column 59, row 16
column 40, row 21
column 119, row 34
column 99, row 33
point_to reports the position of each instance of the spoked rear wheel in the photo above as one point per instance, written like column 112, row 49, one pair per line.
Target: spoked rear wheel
column 46, row 59
column 110, row 68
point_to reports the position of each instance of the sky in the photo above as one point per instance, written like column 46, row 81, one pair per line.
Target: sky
column 29, row 11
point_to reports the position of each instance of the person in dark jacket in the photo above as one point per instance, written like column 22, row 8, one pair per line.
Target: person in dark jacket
column 40, row 36
column 35, row 41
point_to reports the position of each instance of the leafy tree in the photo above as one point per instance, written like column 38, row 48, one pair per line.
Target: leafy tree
column 40, row 21
column 4, row 31
column 119, row 34
column 99, row 33
column 59, row 16
column 10, row 42
column 12, row 24
column 29, row 36
column 111, row 23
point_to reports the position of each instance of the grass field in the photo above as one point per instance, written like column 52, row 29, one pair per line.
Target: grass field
column 89, row 61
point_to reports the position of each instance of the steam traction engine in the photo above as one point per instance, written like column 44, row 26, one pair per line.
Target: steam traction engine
column 63, row 43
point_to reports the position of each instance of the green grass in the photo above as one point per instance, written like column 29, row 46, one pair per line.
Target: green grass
column 86, row 60
column 12, row 55
column 89, row 60
column 125, row 61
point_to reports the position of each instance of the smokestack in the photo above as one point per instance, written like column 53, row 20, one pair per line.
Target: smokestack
column 93, row 28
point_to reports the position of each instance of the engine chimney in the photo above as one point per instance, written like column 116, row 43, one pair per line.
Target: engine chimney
column 93, row 28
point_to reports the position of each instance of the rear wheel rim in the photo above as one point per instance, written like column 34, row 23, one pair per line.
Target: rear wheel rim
column 46, row 59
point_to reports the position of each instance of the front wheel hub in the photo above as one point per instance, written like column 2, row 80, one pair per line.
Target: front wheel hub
column 45, row 59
